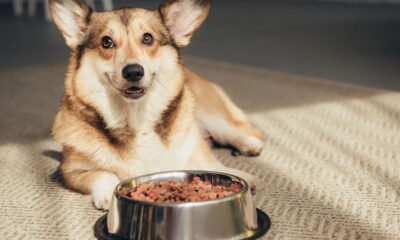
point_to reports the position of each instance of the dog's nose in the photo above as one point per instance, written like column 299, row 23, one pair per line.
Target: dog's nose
column 133, row 72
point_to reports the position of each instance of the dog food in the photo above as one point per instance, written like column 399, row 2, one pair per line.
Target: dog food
column 174, row 191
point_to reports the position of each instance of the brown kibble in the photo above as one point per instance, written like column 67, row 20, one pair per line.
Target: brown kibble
column 220, row 195
column 174, row 191
column 212, row 195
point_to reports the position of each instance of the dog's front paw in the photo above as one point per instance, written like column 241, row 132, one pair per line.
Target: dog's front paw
column 249, row 146
column 103, row 190
column 250, row 179
column 101, row 201
column 253, row 183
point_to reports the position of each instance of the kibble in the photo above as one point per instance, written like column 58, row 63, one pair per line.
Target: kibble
column 173, row 191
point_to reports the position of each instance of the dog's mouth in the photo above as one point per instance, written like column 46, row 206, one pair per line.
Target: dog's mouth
column 126, row 89
column 133, row 92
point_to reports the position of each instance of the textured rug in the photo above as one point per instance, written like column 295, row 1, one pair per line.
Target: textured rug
column 330, row 168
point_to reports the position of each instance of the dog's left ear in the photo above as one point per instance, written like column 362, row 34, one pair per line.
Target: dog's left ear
column 183, row 17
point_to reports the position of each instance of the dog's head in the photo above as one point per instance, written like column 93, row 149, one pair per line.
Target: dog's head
column 128, row 48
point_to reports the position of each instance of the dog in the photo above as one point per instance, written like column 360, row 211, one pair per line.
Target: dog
column 130, row 107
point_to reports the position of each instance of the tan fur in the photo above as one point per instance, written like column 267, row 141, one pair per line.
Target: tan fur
column 213, row 100
column 77, row 171
column 107, row 137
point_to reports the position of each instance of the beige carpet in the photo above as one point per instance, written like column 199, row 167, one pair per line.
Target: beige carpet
column 330, row 169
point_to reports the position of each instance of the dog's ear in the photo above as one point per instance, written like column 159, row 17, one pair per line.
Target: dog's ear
column 71, row 17
column 183, row 17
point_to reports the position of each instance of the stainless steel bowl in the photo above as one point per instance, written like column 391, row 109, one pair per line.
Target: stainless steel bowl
column 232, row 217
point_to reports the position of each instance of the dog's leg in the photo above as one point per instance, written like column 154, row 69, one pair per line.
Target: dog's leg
column 222, row 119
column 203, row 158
column 86, row 179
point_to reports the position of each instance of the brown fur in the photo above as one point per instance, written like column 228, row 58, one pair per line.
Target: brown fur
column 164, row 126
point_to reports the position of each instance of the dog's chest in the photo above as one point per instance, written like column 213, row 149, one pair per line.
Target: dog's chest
column 148, row 154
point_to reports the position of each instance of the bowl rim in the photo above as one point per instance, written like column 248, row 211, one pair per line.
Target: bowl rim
column 245, row 187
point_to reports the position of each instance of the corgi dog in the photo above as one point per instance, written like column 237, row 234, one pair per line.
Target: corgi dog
column 130, row 107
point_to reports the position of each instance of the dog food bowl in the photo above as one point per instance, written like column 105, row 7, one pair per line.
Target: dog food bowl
column 231, row 217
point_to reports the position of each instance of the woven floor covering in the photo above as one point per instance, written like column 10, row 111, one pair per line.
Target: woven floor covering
column 330, row 168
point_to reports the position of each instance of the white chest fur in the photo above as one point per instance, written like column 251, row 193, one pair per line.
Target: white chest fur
column 152, row 155
column 149, row 154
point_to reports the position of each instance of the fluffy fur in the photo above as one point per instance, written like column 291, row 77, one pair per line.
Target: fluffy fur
column 108, row 136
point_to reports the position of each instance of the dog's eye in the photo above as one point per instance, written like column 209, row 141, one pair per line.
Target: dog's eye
column 147, row 39
column 107, row 42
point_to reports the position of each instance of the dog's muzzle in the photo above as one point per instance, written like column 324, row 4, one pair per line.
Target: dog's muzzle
column 133, row 74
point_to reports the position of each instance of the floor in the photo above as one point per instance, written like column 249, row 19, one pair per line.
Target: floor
column 354, row 43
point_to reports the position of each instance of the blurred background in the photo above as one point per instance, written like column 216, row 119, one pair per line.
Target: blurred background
column 356, row 41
